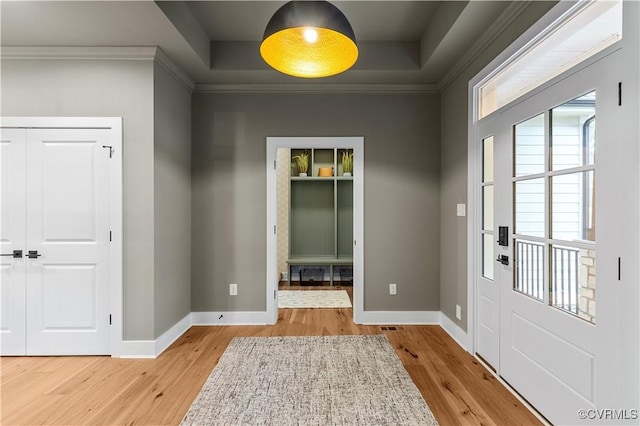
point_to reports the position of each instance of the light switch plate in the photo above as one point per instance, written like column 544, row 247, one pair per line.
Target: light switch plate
column 461, row 209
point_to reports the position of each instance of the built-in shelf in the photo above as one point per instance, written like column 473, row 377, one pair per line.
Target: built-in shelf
column 319, row 159
column 329, row 178
column 313, row 178
column 321, row 212
column 319, row 260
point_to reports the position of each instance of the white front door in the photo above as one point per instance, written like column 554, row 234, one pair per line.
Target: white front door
column 553, row 190
column 66, row 242
column 12, row 237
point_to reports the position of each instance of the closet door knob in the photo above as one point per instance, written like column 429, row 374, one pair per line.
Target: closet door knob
column 33, row 254
column 17, row 254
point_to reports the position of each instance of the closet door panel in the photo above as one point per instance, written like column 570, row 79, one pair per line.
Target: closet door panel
column 67, row 227
column 12, row 237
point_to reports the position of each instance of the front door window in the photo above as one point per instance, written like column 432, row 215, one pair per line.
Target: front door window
column 554, row 183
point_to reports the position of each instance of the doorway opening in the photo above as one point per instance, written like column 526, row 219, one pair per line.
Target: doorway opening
column 315, row 219
column 315, row 222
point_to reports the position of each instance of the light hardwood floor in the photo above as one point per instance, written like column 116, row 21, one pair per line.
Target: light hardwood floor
column 102, row 390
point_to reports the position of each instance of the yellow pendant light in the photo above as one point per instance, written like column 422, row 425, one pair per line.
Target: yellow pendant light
column 309, row 39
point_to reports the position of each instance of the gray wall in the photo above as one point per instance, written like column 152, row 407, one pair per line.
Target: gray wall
column 172, row 200
column 401, row 191
column 453, row 240
column 103, row 89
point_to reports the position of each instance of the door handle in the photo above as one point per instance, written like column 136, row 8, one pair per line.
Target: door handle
column 33, row 254
column 503, row 259
column 17, row 254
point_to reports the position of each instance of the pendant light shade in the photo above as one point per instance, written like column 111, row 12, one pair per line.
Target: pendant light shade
column 309, row 39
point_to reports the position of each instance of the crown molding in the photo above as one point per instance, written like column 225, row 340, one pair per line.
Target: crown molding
column 506, row 18
column 173, row 70
column 316, row 88
column 98, row 53
column 79, row 53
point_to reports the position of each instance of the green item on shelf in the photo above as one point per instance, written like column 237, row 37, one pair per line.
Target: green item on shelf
column 302, row 161
column 347, row 161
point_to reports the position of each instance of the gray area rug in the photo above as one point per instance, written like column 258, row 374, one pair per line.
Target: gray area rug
column 296, row 299
column 327, row 380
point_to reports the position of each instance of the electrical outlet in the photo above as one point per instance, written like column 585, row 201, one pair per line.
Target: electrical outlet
column 233, row 289
column 458, row 312
column 392, row 289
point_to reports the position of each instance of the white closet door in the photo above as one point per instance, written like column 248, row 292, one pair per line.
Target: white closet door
column 67, row 225
column 12, row 237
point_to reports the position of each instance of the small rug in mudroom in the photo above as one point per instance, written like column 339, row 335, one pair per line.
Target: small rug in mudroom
column 317, row 380
column 302, row 299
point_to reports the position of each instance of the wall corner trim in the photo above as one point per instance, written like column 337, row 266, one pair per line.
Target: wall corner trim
column 456, row 333
column 165, row 340
column 174, row 71
column 153, row 348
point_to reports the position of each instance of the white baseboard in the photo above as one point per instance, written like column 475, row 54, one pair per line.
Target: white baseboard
column 137, row 349
column 153, row 348
column 399, row 317
column 171, row 335
column 229, row 318
column 417, row 318
column 456, row 333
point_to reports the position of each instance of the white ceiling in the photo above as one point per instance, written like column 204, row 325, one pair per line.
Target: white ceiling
column 401, row 42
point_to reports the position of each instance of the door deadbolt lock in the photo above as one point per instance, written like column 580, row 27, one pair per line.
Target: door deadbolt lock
column 503, row 259
column 33, row 254
column 503, row 236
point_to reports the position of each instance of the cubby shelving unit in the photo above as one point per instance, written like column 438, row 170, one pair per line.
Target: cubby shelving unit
column 320, row 215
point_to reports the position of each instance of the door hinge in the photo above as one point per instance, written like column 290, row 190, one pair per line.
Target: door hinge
column 109, row 319
column 274, row 294
column 274, row 229
column 274, row 164
column 110, row 235
column 110, row 150
column 620, row 93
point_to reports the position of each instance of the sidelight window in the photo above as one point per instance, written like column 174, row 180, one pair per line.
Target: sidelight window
column 488, row 234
